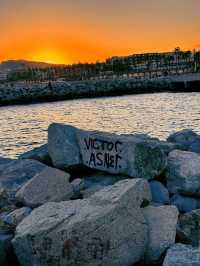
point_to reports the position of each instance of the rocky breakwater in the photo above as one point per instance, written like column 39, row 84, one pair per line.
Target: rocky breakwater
column 94, row 198
column 22, row 92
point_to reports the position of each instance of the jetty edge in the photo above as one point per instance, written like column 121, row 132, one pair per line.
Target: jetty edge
column 27, row 92
column 97, row 198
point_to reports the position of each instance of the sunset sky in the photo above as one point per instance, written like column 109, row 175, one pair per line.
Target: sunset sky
column 66, row 31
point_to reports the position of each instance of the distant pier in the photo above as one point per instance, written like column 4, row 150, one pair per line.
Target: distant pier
column 25, row 92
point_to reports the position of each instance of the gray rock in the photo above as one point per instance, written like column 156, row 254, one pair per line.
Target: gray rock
column 115, row 154
column 188, row 228
column 185, row 204
column 107, row 229
column 182, row 255
column 183, row 173
column 62, row 146
column 17, row 173
column 184, row 137
column 40, row 154
column 49, row 185
column 16, row 216
column 167, row 147
column 162, row 223
column 159, row 192
column 6, row 252
column 96, row 182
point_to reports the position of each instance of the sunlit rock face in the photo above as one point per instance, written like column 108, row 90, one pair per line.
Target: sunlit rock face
column 107, row 229
column 116, row 154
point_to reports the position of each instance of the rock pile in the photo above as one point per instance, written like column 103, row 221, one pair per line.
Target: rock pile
column 94, row 198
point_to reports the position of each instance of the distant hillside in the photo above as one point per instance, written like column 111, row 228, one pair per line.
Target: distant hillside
column 13, row 65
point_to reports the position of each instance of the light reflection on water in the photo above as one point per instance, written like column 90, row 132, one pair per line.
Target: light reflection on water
column 25, row 126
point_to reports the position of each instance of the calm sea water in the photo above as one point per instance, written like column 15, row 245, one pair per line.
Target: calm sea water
column 25, row 126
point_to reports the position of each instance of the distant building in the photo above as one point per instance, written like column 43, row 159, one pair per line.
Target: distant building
column 3, row 76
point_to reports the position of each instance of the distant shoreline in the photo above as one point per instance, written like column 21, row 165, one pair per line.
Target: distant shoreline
column 29, row 93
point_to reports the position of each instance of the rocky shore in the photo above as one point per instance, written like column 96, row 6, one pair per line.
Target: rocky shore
column 23, row 92
column 96, row 198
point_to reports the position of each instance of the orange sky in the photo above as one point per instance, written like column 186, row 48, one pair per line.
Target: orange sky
column 57, row 31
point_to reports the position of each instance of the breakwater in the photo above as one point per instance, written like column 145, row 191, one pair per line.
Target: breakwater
column 22, row 92
column 60, row 207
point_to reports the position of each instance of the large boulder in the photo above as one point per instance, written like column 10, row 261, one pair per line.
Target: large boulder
column 182, row 255
column 162, row 223
column 107, row 229
column 159, row 192
column 15, row 174
column 188, row 228
column 184, row 137
column 183, row 173
column 116, row 154
column 49, row 185
column 185, row 204
column 40, row 154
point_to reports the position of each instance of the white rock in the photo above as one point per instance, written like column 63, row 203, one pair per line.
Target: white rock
column 162, row 223
column 107, row 229
column 49, row 185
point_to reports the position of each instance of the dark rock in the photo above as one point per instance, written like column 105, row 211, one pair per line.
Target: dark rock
column 7, row 256
column 40, row 154
column 185, row 204
column 159, row 192
column 195, row 146
column 4, row 198
column 188, row 228
column 4, row 160
column 97, row 182
column 183, row 173
column 184, row 137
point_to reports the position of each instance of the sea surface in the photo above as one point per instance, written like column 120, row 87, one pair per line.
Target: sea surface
column 23, row 127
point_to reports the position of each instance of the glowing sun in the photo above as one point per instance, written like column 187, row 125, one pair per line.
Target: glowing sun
column 49, row 56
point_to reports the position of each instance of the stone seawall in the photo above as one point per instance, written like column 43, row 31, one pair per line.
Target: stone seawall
column 21, row 92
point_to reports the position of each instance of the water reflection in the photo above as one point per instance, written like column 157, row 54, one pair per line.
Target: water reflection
column 156, row 114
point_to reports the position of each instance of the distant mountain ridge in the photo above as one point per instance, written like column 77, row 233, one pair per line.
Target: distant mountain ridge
column 12, row 65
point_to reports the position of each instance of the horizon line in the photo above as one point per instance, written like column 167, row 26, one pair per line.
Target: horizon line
column 97, row 60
